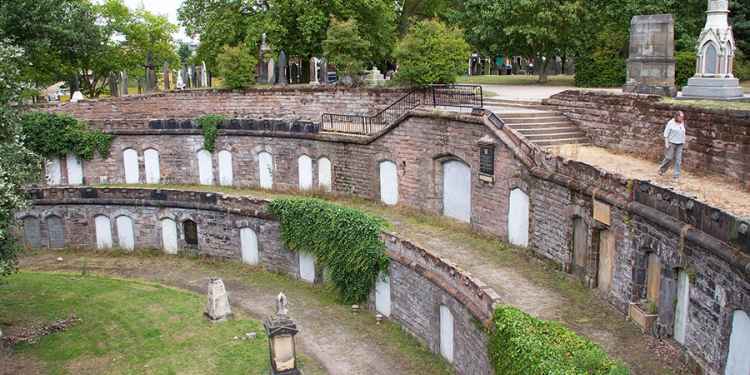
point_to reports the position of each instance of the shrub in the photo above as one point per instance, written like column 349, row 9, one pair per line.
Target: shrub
column 236, row 65
column 345, row 241
column 523, row 345
column 685, row 67
column 431, row 53
column 600, row 70
column 52, row 135
column 741, row 66
column 345, row 47
column 210, row 126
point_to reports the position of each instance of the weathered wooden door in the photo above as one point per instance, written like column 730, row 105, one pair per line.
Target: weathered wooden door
column 305, row 172
column 169, row 236
column 388, row 182
column 580, row 247
column 31, row 232
column 103, row 228
column 446, row 333
column 125, row 235
column 518, row 218
column 738, row 362
column 56, row 232
column 681, row 310
column 75, row 170
column 130, row 164
column 325, row 180
column 653, row 279
column 383, row 295
column 606, row 260
column 249, row 246
column 457, row 190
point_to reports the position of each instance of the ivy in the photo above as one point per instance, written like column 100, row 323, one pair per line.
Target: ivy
column 343, row 240
column 210, row 126
column 53, row 135
column 523, row 345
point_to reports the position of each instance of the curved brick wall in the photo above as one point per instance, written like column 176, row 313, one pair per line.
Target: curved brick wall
column 419, row 282
column 644, row 220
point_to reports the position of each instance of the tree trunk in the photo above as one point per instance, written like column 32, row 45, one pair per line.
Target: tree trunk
column 543, row 71
column 563, row 62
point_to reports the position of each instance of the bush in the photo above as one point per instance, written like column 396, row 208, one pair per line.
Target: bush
column 684, row 68
column 741, row 66
column 345, row 48
column 210, row 126
column 523, row 345
column 600, row 70
column 431, row 53
column 236, row 65
column 345, row 241
column 52, row 135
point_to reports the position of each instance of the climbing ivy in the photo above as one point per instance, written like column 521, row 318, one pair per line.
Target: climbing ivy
column 210, row 126
column 53, row 135
column 343, row 240
column 523, row 345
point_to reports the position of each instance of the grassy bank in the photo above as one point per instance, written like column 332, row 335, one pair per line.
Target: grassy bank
column 518, row 80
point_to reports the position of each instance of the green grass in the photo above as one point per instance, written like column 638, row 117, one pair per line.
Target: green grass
column 526, row 80
column 746, row 85
column 127, row 327
column 711, row 104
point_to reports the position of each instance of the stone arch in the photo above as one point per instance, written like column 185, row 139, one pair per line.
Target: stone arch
column 152, row 166
column 205, row 167
column 265, row 169
column 305, row 172
column 169, row 235
column 74, row 166
column 103, row 228
column 249, row 250
column 32, row 232
column 125, row 232
column 325, row 174
column 710, row 57
column 226, row 169
column 388, row 177
column 738, row 357
column 457, row 184
column 519, row 215
column 130, row 165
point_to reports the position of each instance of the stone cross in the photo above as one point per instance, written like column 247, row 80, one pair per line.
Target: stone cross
column 217, row 308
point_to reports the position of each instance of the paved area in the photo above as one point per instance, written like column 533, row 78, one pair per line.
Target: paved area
column 714, row 190
column 523, row 92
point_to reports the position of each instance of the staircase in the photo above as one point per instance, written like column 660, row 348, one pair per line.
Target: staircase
column 536, row 122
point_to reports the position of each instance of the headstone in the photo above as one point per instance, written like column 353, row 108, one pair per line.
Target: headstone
column 193, row 77
column 324, row 71
column 263, row 69
column 314, row 79
column 167, row 73
column 180, row 84
column 77, row 96
column 204, row 75
column 374, row 76
column 716, row 48
column 283, row 78
column 114, row 84
column 124, row 84
column 651, row 66
column 271, row 71
column 198, row 76
column 150, row 79
column 217, row 308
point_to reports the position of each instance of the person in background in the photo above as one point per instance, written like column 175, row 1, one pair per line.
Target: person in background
column 674, row 142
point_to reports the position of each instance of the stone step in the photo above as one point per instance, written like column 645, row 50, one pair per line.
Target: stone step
column 513, row 115
column 511, row 102
column 555, row 136
column 537, row 121
column 555, row 130
column 563, row 141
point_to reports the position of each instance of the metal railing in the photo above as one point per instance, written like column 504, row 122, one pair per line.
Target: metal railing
column 462, row 96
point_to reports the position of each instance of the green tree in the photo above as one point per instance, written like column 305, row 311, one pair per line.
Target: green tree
column 184, row 53
column 237, row 66
column 431, row 53
column 18, row 165
column 345, row 48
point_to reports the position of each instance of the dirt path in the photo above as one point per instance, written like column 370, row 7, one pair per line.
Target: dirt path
column 343, row 342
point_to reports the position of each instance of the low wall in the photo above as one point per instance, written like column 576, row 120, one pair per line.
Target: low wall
column 420, row 283
column 718, row 140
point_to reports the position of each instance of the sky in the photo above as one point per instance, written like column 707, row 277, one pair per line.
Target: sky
column 161, row 7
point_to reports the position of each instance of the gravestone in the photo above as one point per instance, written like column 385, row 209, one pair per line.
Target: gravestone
column 324, row 71
column 124, row 85
column 217, row 308
column 166, row 72
column 114, row 84
column 651, row 66
column 150, row 79
column 716, row 48
column 204, row 75
column 198, row 76
column 264, row 70
column 283, row 78
column 180, row 81
column 271, row 71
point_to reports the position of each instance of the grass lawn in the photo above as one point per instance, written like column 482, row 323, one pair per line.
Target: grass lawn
column 126, row 327
column 711, row 104
column 526, row 80
column 746, row 86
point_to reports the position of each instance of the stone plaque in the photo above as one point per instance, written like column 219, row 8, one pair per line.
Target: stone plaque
column 602, row 212
column 487, row 160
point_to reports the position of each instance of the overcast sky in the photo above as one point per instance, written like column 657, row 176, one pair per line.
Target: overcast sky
column 161, row 7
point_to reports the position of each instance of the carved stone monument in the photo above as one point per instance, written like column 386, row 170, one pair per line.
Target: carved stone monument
column 716, row 47
column 283, row 78
column 651, row 66
column 217, row 308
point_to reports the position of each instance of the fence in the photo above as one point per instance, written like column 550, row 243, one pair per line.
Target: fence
column 462, row 96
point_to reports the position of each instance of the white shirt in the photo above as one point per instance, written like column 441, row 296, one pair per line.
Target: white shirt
column 675, row 132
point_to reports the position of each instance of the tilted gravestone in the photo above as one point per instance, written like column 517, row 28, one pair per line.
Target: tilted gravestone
column 217, row 308
column 651, row 66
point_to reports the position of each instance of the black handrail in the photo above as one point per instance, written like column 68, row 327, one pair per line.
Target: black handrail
column 462, row 96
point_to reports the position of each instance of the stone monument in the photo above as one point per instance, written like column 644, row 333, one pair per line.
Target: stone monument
column 217, row 308
column 150, row 81
column 166, row 76
column 651, row 66
column 283, row 78
column 716, row 47
column 204, row 75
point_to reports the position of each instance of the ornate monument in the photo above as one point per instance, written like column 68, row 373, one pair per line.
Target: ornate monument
column 713, row 78
column 651, row 66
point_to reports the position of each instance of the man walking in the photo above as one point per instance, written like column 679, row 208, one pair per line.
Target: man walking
column 674, row 142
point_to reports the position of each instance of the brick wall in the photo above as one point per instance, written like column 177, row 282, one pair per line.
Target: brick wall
column 718, row 140
column 420, row 282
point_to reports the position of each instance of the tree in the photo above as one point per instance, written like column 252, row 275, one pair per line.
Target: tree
column 18, row 165
column 345, row 48
column 184, row 53
column 237, row 66
column 431, row 53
